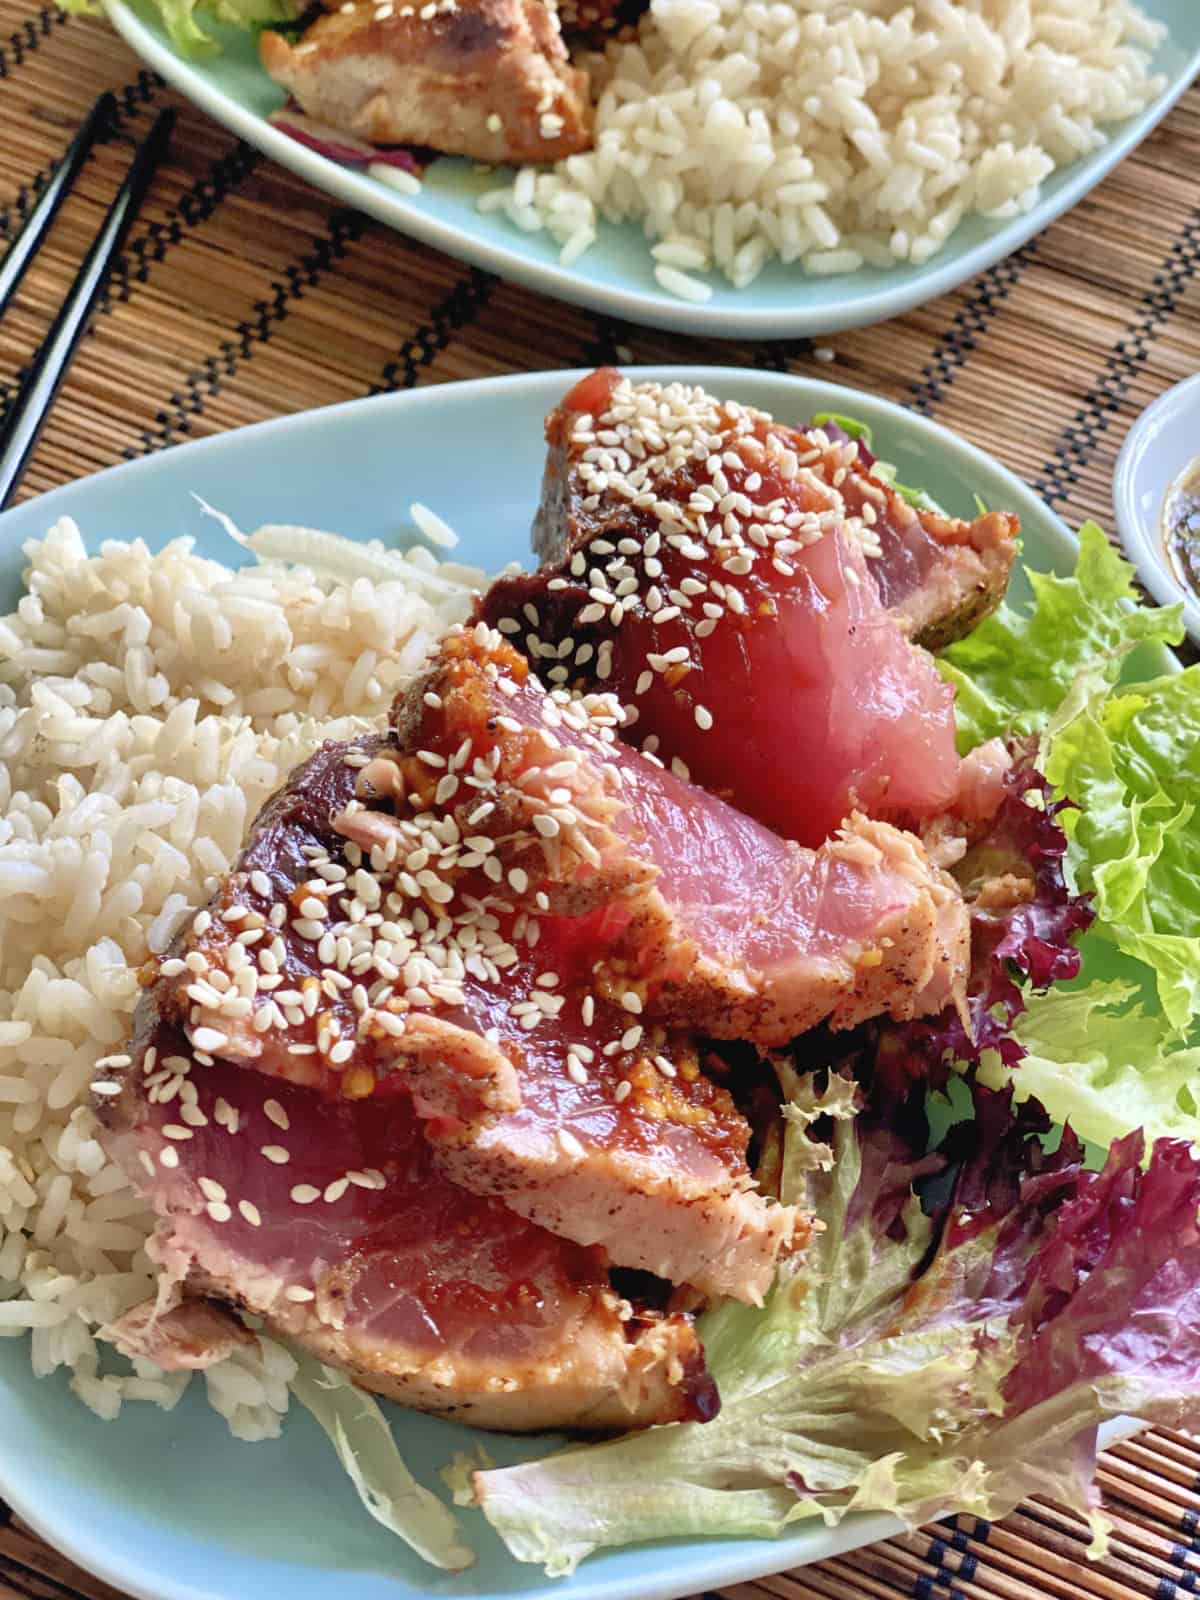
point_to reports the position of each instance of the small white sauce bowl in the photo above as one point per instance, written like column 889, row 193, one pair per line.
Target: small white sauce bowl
column 1162, row 442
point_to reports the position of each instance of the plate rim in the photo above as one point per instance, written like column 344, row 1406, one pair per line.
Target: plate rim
column 84, row 1544
column 707, row 374
column 637, row 305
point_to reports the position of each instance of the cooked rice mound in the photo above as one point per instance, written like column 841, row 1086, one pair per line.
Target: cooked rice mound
column 149, row 704
column 835, row 134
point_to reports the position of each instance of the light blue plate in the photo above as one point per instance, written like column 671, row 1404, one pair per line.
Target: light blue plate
column 616, row 275
column 170, row 1507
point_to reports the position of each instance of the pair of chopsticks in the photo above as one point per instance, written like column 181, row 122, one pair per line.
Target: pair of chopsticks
column 21, row 426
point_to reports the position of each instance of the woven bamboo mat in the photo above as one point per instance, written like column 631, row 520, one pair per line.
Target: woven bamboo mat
column 244, row 295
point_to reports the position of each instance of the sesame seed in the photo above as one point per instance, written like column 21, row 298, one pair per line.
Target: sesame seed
column 211, row 1189
column 298, row 1294
column 209, row 1039
column 335, row 1190
column 631, row 1038
column 632, row 1001
column 570, row 1144
column 251, row 1213
column 169, row 1156
column 704, row 718
column 218, row 1211
column 277, row 1154
column 172, row 1130
column 304, row 1194
column 276, row 1114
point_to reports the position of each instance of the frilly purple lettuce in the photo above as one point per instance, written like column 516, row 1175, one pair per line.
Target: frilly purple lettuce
column 959, row 1328
column 1025, row 920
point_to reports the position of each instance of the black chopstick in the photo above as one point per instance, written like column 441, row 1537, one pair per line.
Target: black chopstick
column 24, row 421
column 25, row 246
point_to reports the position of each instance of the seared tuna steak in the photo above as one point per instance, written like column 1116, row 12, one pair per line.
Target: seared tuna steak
column 725, row 577
column 404, row 967
column 333, row 1221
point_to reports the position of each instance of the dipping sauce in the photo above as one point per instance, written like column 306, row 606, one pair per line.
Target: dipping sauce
column 1181, row 526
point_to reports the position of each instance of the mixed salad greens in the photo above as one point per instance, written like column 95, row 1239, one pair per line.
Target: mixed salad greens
column 182, row 18
column 977, row 1302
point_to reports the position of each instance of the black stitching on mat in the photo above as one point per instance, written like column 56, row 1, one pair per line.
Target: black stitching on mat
column 130, row 100
column 1081, row 438
column 457, row 311
column 929, row 1587
column 28, row 38
column 193, row 208
column 781, row 355
column 345, row 227
column 971, row 322
column 604, row 348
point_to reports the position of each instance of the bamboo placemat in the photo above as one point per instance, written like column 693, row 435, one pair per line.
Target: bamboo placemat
column 245, row 295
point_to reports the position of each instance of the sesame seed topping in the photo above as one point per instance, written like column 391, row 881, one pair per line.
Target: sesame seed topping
column 209, row 1039
column 304, row 1194
column 276, row 1114
column 277, row 1154
column 570, row 1145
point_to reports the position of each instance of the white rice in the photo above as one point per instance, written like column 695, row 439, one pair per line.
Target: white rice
column 835, row 135
column 149, row 704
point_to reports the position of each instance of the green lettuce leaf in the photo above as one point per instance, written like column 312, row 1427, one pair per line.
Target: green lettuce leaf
column 1127, row 755
column 1019, row 665
column 1130, row 759
column 182, row 18
column 359, row 1432
column 1097, row 1059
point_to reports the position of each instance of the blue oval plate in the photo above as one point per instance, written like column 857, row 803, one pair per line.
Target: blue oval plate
column 615, row 276
column 170, row 1507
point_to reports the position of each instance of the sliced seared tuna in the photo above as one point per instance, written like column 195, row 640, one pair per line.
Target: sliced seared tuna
column 939, row 576
column 403, row 966
column 333, row 1222
column 718, row 573
column 699, row 916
